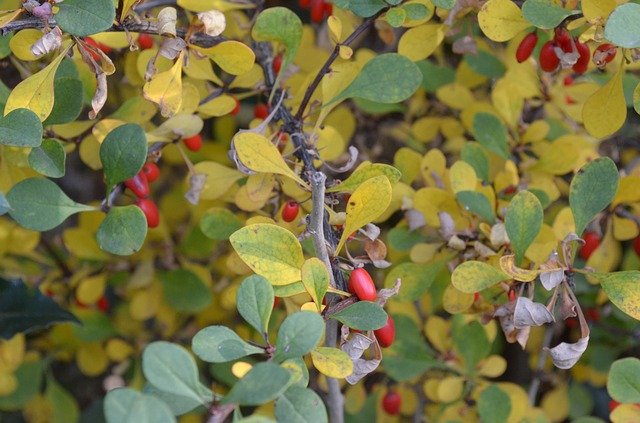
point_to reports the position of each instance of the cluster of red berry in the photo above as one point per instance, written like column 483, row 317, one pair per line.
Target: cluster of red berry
column 145, row 42
column 139, row 185
column 318, row 8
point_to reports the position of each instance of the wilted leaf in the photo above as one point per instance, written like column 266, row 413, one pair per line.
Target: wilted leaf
column 565, row 355
column 528, row 313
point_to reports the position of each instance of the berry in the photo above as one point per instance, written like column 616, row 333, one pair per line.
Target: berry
column 591, row 243
column 582, row 64
column 304, row 3
column 593, row 314
column 386, row 334
column 526, row 46
column 476, row 297
column 511, row 295
column 277, row 63
column 103, row 304
column 636, row 245
column 328, row 9
column 105, row 49
column 150, row 211
column 568, row 80
column 151, row 171
column 604, row 54
column 317, row 11
column 549, row 61
column 261, row 111
column 145, row 41
column 391, row 403
column 290, row 211
column 562, row 39
column 361, row 284
column 138, row 185
column 276, row 302
column 613, row 404
column 236, row 109
column 193, row 143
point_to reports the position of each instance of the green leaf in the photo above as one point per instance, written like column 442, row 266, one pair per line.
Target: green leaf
column 523, row 222
column 362, row 8
column 387, row 78
column 591, row 190
column 4, row 204
column 24, row 310
column 474, row 154
column 172, row 367
column 621, row 27
column 95, row 326
column 178, row 404
column 39, row 204
column 299, row 333
column 219, row 344
column 67, row 100
column 124, row 405
column 545, row 14
column 472, row 343
column 623, row 383
column 282, row 25
column 85, row 17
column 48, row 159
column 254, row 301
column 65, row 406
column 315, row 278
column 363, row 315
column 485, row 64
column 20, row 128
column 416, row 11
column 434, row 76
column 29, row 376
column 396, row 17
column 290, row 290
column 219, row 223
column 477, row 203
column 494, row 405
column 445, row 4
column 491, row 133
column 580, row 400
column 184, row 291
column 123, row 153
column 364, row 172
column 263, row 383
column 408, row 356
column 300, row 405
column 416, row 278
column 123, row 231
column 475, row 276
column 5, row 51
column 623, row 290
column 636, row 99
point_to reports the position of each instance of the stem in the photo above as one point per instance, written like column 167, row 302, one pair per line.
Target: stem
column 542, row 359
column 57, row 258
column 316, row 227
column 335, row 399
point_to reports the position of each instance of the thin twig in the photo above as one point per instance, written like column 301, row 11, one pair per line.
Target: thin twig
column 542, row 359
column 316, row 226
column 57, row 258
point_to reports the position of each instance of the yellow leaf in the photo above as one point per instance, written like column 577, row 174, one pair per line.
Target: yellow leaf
column 625, row 413
column 20, row 44
column 606, row 110
column 542, row 246
column 492, row 366
column 450, row 388
column 507, row 101
column 366, row 203
column 260, row 155
column 501, row 20
column 10, row 16
column 420, row 42
column 241, row 368
column 91, row 289
column 330, row 143
column 219, row 179
column 597, row 11
column 12, row 353
column 535, row 132
column 221, row 5
column 455, row 301
column 462, row 177
column 315, row 278
column 519, row 401
column 126, row 7
column 219, row 106
column 508, row 266
column 455, row 95
column 8, row 381
column 233, row 57
column 624, row 229
column 556, row 404
column 335, row 28
column 92, row 359
column 628, row 190
column 564, row 223
column 36, row 92
column 438, row 333
column 606, row 257
column 165, row 89
column 118, row 350
column 201, row 68
column 332, row 362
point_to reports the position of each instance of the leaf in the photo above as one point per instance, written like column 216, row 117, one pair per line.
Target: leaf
column 477, row 203
column 299, row 333
column 123, row 231
column 362, row 8
column 623, row 382
column 219, row 179
column 123, row 153
column 508, row 266
column 475, row 276
column 65, row 406
column 501, row 20
column 85, row 17
column 421, row 41
column 315, row 278
column 39, row 204
column 494, row 405
column 184, row 291
column 4, row 205
column 260, row 155
column 409, row 356
column 387, row 78
column 485, row 64
column 491, row 133
column 23, row 310
column 48, row 159
column 36, row 93
column 591, row 190
column 473, row 154
column 621, row 28
column 544, row 14
column 264, row 382
column 124, row 405
column 566, row 355
column 67, row 100
column 623, row 290
column 270, row 251
column 165, row 89
column 527, row 313
column 472, row 343
column 523, row 222
column 219, row 344
column 177, row 403
column 365, row 205
column 20, row 128
column 332, row 362
column 606, row 110
column 219, row 223
column 29, row 381
column 281, row 25
column 300, row 405
column 367, row 170
column 363, row 315
column 172, row 367
column 233, row 57
column 254, row 301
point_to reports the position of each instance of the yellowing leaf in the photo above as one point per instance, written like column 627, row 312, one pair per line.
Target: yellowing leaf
column 556, row 404
column 624, row 229
column 474, row 276
column 118, row 350
column 126, row 7
column 332, row 362
column 36, row 92
column 492, row 366
column 91, row 289
column 597, row 11
column 20, row 44
column 366, row 203
column 450, row 388
column 606, row 257
column 260, row 155
column 462, row 177
column 628, row 190
column 165, row 89
column 455, row 301
column 508, row 266
column 92, row 359
column 270, row 251
column 315, row 278
column 233, row 57
column 501, row 20
column 455, row 95
column 219, row 106
column 606, row 110
column 420, row 42
column 219, row 179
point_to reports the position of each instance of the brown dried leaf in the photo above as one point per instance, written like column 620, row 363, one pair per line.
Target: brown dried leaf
column 528, row 313
column 171, row 48
column 100, row 96
column 49, row 42
column 196, row 185
column 214, row 22
column 565, row 355
column 167, row 19
column 386, row 293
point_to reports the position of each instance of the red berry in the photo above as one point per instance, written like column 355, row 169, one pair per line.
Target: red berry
column 593, row 314
column 361, row 284
column 150, row 211
column 105, row 49
column 277, row 63
column 391, row 403
column 636, row 245
column 526, row 47
column 582, row 64
column 276, row 302
column 328, row 9
column 591, row 243
column 151, row 171
column 145, row 41
column 386, row 334
column 261, row 111
column 562, row 39
column 568, row 80
column 193, row 143
column 476, row 297
column 511, row 295
column 138, row 185
column 549, row 61
column 304, row 3
column 571, row 323
column 613, row 404
column 290, row 211
column 103, row 304
column 236, row 109
column 317, row 11
column 604, row 54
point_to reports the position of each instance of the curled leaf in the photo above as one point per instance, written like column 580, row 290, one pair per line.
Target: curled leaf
column 171, row 48
column 565, row 355
column 214, row 22
column 167, row 19
column 528, row 313
column 196, row 185
column 355, row 348
column 49, row 42
column 550, row 276
column 508, row 265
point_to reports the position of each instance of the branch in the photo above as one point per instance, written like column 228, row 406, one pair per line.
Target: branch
column 542, row 359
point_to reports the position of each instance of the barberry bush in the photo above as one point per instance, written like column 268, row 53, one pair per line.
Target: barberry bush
column 312, row 211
